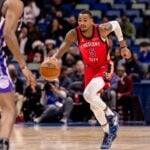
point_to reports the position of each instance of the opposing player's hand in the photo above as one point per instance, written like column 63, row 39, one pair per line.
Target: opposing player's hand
column 125, row 53
column 30, row 78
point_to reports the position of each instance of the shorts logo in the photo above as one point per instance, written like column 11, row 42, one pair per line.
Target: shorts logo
column 4, row 83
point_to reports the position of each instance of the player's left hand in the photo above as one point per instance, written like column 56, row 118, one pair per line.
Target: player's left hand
column 125, row 53
column 30, row 77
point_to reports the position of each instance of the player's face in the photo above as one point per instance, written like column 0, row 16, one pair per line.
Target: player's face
column 84, row 22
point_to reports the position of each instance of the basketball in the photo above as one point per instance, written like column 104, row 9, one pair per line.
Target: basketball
column 50, row 69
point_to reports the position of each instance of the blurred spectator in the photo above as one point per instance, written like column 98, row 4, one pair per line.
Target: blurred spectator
column 110, row 95
column 54, row 31
column 147, row 75
column 134, row 68
column 105, row 20
column 50, row 46
column 63, row 22
column 73, row 50
column 125, row 84
column 33, row 30
column 72, row 21
column 128, row 28
column 32, row 107
column 31, row 10
column 38, row 57
column 117, row 59
column 144, row 30
column 78, row 73
column 25, row 44
column 37, row 46
column 57, row 105
column 144, row 54
column 124, row 91
column 64, row 79
column 57, row 4
column 69, row 60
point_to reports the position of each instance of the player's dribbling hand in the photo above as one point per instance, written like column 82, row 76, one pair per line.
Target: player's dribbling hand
column 31, row 81
column 125, row 53
column 53, row 58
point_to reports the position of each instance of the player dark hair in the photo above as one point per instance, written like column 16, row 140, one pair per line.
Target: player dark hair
column 86, row 12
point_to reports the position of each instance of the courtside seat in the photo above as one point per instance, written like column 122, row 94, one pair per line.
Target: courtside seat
column 107, row 1
column 96, row 13
column 133, row 13
column 138, row 22
column 88, row 1
column 101, row 6
column 147, row 12
column 139, row 40
column 123, row 1
column 119, row 7
column 143, row 1
column 113, row 13
column 140, row 6
column 82, row 6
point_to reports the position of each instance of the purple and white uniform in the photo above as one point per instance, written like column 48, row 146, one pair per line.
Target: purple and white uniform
column 5, row 81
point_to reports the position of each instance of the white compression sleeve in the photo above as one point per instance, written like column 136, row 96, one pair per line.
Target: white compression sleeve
column 117, row 29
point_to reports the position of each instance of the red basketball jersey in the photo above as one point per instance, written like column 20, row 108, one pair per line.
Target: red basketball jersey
column 94, row 50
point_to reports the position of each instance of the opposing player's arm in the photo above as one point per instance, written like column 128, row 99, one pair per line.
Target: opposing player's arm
column 71, row 37
column 12, row 12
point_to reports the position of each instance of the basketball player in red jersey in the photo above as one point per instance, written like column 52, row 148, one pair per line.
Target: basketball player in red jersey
column 91, row 39
column 10, row 13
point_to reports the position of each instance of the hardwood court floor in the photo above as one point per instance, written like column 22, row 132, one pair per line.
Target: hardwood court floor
column 77, row 138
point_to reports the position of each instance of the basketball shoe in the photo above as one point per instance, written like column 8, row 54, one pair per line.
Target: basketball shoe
column 113, row 125
column 4, row 144
column 107, row 141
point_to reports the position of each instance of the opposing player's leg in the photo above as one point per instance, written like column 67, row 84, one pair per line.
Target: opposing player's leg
column 92, row 96
column 7, row 105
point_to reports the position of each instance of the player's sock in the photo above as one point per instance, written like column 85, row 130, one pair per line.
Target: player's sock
column 105, row 128
column 4, row 144
column 108, row 111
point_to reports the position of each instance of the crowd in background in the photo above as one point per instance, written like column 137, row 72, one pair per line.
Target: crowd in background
column 45, row 24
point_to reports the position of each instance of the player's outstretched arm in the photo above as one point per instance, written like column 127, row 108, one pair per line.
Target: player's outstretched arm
column 113, row 26
column 71, row 37
column 12, row 12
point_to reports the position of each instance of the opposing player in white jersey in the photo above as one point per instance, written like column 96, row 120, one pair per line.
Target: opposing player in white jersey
column 10, row 13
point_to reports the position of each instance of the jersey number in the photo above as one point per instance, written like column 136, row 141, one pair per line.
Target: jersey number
column 92, row 52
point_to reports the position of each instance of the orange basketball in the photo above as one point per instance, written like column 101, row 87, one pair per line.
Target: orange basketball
column 50, row 69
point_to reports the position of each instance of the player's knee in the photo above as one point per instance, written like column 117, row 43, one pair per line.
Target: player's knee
column 93, row 107
column 86, row 94
column 10, row 110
